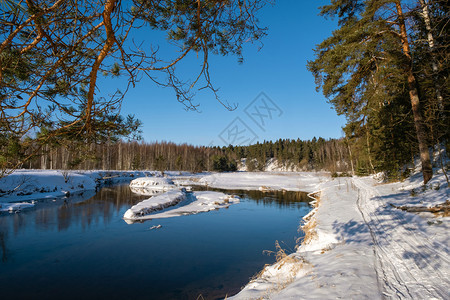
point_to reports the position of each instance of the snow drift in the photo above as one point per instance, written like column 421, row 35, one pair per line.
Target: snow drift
column 155, row 203
column 186, row 203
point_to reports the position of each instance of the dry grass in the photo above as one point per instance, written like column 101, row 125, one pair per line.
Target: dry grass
column 265, row 189
column 316, row 198
column 308, row 226
column 291, row 264
column 444, row 214
column 281, row 257
column 326, row 249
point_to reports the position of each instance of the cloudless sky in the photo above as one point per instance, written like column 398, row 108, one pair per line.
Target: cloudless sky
column 278, row 69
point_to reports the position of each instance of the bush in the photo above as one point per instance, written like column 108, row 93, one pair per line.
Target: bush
column 223, row 164
column 340, row 174
column 251, row 165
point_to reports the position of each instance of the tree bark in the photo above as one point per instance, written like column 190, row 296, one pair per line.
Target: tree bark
column 368, row 151
column 427, row 170
column 351, row 156
column 434, row 65
column 110, row 40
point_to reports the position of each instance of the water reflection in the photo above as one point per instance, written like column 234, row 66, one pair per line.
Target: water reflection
column 67, row 243
column 91, row 207
column 281, row 199
column 3, row 246
column 144, row 191
column 82, row 210
column 86, row 208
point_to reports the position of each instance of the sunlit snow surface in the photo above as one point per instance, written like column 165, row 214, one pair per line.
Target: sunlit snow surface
column 187, row 203
column 290, row 181
column 364, row 248
column 155, row 184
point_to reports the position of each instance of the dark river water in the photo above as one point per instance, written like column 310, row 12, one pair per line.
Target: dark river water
column 81, row 248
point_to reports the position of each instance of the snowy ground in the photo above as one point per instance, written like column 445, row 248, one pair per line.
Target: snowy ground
column 361, row 247
column 290, row 181
column 156, row 184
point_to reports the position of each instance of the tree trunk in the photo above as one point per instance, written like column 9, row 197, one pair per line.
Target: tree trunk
column 434, row 65
column 368, row 151
column 351, row 156
column 427, row 169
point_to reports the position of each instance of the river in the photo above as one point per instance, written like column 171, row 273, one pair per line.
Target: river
column 81, row 248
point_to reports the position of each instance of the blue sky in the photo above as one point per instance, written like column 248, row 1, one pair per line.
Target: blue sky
column 278, row 70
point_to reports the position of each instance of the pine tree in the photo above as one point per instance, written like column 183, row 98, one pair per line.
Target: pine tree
column 366, row 66
column 52, row 54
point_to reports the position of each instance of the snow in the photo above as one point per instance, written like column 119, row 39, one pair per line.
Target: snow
column 272, row 165
column 359, row 246
column 412, row 254
column 27, row 185
column 153, row 183
column 298, row 181
column 189, row 203
column 145, row 191
column 24, row 186
column 159, row 202
column 15, row 207
column 201, row 202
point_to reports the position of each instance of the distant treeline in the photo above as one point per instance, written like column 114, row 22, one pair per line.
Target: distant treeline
column 313, row 154
column 125, row 156
column 334, row 155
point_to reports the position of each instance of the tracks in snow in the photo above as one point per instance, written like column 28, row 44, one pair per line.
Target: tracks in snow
column 409, row 264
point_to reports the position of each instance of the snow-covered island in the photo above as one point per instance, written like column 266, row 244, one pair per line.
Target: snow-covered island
column 193, row 203
column 159, row 202
column 190, row 202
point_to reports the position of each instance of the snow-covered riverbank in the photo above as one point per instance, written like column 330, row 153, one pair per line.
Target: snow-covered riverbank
column 264, row 181
column 23, row 187
column 361, row 247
